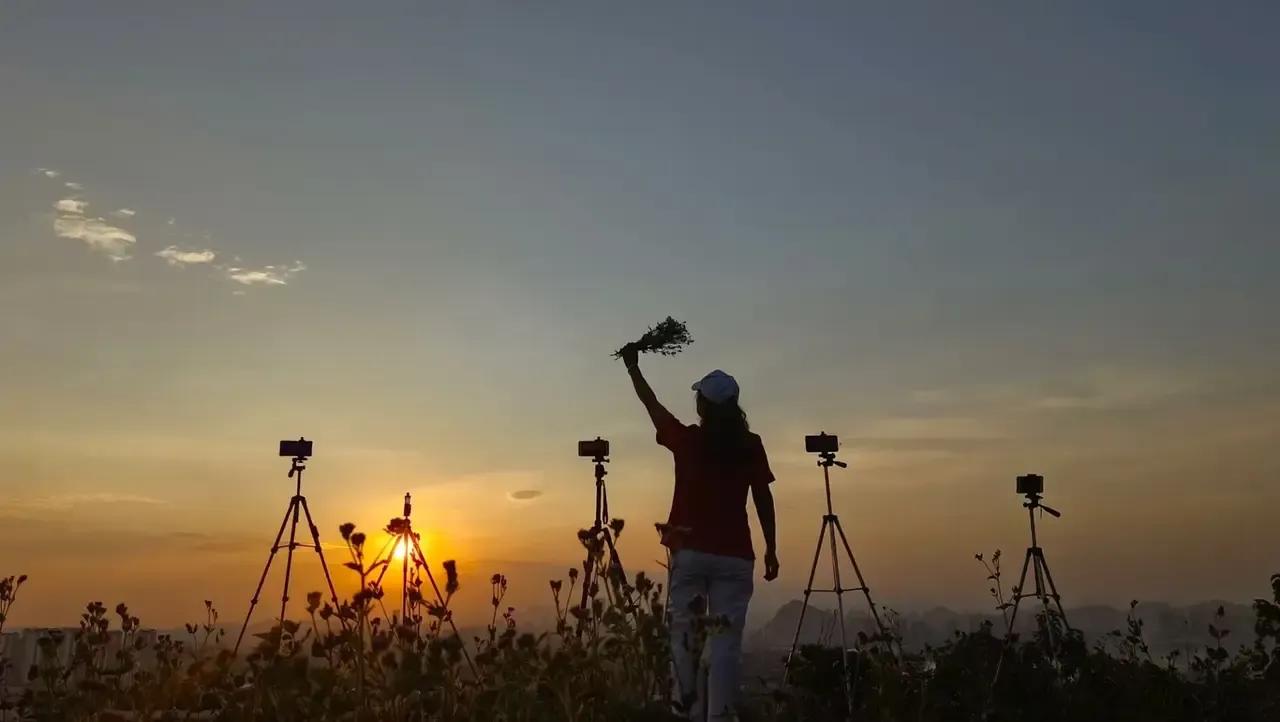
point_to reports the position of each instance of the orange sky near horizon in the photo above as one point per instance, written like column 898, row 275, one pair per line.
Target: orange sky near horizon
column 972, row 243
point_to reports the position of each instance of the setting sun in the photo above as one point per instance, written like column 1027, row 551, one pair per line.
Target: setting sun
column 401, row 549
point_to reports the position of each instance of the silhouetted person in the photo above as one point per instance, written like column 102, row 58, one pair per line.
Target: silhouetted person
column 712, row 562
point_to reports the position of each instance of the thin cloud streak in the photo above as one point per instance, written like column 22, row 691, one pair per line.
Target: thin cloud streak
column 175, row 256
column 71, row 205
column 1108, row 388
column 72, row 221
column 930, row 427
column 63, row 502
column 100, row 235
column 265, row 276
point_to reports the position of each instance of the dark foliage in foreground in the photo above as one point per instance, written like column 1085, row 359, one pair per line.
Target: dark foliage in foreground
column 610, row 662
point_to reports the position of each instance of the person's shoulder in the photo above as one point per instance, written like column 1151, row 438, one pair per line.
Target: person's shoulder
column 682, row 430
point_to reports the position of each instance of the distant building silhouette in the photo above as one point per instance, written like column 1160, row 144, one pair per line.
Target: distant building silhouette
column 20, row 649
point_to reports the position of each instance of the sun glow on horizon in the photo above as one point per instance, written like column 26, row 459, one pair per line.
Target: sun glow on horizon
column 401, row 550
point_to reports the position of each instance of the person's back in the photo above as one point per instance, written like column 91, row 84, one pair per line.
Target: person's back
column 711, row 486
column 716, row 463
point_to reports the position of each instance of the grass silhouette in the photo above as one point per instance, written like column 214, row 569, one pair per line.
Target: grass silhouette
column 383, row 667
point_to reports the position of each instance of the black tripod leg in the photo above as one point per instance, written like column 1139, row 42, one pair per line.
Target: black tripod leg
column 288, row 560
column 1013, row 617
column 324, row 566
column 404, row 584
column 275, row 546
column 615, row 561
column 804, row 606
column 422, row 558
column 383, row 553
column 866, row 590
column 1017, row 595
column 1043, row 596
column 1053, row 588
column 844, row 640
column 1047, row 590
column 588, row 571
column 388, row 552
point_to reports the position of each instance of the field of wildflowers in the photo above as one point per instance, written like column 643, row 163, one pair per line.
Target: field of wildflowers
column 607, row 661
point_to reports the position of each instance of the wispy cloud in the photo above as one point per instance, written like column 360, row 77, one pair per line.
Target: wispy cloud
column 71, row 205
column 1113, row 388
column 265, row 276
column 63, row 502
column 201, row 542
column 72, row 221
column 175, row 256
column 930, row 427
column 100, row 235
column 1097, row 387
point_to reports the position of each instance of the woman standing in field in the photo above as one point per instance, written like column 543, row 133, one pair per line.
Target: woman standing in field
column 716, row 462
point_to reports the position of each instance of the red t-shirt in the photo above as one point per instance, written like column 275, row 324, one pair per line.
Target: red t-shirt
column 709, row 506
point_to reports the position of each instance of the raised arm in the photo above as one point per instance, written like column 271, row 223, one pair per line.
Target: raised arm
column 764, row 509
column 657, row 412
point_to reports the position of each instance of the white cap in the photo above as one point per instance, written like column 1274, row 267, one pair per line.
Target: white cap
column 717, row 387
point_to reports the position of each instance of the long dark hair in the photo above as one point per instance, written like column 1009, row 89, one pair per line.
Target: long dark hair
column 726, row 427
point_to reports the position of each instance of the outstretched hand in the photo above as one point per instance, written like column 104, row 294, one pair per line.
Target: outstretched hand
column 630, row 355
column 770, row 566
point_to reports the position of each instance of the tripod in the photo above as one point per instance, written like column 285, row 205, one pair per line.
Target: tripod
column 597, row 540
column 1045, row 589
column 412, row 559
column 296, row 504
column 830, row 528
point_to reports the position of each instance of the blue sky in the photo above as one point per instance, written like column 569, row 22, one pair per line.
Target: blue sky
column 974, row 241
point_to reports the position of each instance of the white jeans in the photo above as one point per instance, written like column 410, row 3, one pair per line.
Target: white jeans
column 724, row 585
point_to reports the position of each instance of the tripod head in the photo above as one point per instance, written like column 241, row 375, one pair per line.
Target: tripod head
column 1033, row 502
column 828, row 459
column 300, row 450
column 597, row 450
column 401, row 524
column 1032, row 487
column 825, row 446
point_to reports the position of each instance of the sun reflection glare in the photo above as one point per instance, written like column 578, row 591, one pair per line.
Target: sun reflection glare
column 401, row 549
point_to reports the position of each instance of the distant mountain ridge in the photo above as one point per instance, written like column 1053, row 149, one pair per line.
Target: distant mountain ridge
column 1166, row 627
